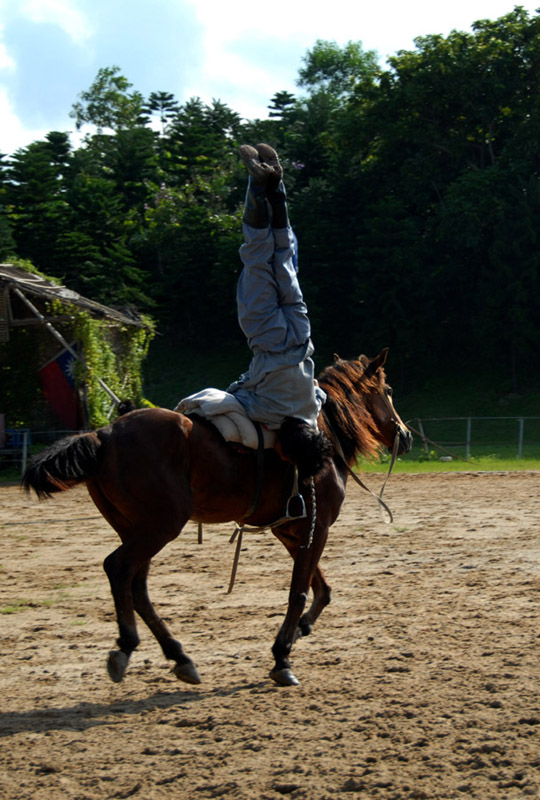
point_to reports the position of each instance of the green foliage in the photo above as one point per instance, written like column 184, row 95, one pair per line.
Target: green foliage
column 339, row 71
column 109, row 103
column 114, row 355
column 7, row 242
column 413, row 190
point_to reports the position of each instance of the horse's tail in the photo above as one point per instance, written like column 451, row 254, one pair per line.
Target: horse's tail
column 65, row 463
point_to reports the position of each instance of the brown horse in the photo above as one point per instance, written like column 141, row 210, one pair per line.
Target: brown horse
column 152, row 470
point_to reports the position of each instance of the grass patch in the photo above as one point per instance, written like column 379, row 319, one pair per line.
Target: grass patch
column 10, row 475
column 475, row 464
column 13, row 608
column 21, row 605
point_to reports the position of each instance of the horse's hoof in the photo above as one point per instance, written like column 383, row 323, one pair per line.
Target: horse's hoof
column 117, row 665
column 187, row 673
column 284, row 677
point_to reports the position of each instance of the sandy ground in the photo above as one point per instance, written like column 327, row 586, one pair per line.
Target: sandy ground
column 420, row 680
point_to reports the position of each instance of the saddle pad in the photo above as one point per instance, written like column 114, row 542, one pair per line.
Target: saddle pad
column 228, row 415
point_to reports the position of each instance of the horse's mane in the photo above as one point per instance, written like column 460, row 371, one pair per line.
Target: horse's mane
column 347, row 383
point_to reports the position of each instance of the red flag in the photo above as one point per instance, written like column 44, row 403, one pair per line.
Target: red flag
column 58, row 385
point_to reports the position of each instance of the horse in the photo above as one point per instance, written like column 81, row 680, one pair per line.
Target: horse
column 152, row 470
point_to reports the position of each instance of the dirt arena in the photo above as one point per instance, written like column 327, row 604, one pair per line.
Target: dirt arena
column 420, row 680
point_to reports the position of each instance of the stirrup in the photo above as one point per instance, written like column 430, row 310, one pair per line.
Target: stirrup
column 303, row 512
column 295, row 494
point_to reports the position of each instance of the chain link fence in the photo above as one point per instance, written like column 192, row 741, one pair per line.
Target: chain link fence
column 466, row 437
column 447, row 437
column 18, row 444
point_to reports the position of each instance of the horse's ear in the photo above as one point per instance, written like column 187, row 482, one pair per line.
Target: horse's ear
column 336, row 358
column 377, row 362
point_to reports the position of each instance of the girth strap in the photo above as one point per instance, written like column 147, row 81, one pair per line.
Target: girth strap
column 260, row 472
column 240, row 529
column 258, row 485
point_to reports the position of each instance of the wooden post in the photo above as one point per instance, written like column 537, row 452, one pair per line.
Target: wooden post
column 520, row 437
column 468, row 439
column 423, row 436
column 24, row 451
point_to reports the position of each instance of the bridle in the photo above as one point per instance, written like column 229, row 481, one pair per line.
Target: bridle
column 383, row 508
column 386, row 514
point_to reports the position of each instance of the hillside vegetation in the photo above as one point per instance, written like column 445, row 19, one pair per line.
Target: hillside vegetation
column 413, row 187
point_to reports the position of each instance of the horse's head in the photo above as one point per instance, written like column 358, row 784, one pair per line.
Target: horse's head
column 379, row 402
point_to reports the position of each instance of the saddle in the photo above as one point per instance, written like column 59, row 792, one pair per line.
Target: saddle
column 224, row 411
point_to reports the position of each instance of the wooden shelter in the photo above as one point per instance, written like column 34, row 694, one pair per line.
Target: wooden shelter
column 25, row 303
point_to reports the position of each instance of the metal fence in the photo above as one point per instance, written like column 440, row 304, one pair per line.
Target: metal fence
column 20, row 442
column 451, row 437
column 510, row 437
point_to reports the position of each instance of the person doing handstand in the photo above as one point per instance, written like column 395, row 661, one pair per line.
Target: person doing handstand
column 279, row 389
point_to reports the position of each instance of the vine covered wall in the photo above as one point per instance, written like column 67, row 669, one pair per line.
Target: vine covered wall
column 111, row 352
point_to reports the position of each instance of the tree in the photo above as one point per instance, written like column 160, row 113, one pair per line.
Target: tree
column 7, row 242
column 336, row 70
column 280, row 104
column 196, row 245
column 164, row 105
column 108, row 103
column 35, row 198
column 93, row 255
column 200, row 139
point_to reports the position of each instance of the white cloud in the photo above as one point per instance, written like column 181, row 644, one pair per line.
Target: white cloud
column 249, row 54
column 13, row 134
column 6, row 62
column 246, row 55
column 63, row 13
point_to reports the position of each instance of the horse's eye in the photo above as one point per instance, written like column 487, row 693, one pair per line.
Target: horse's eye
column 388, row 391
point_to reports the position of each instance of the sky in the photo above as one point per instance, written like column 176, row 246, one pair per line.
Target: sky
column 51, row 50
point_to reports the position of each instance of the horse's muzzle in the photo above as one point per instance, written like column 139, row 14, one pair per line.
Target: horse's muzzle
column 405, row 440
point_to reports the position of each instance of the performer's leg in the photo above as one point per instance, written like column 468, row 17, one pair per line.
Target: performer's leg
column 284, row 261
column 259, row 312
column 256, row 207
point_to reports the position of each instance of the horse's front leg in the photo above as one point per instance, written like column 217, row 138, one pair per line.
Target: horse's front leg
column 321, row 597
column 305, row 564
column 319, row 586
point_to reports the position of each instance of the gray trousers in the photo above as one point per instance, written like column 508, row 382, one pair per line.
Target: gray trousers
column 273, row 315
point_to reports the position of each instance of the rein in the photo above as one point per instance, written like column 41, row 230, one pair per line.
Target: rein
column 241, row 529
column 386, row 515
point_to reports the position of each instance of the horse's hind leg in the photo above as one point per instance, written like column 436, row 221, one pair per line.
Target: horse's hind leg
column 185, row 669
column 127, row 568
column 121, row 567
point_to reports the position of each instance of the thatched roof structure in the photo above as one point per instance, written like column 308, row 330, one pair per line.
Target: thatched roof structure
column 15, row 278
